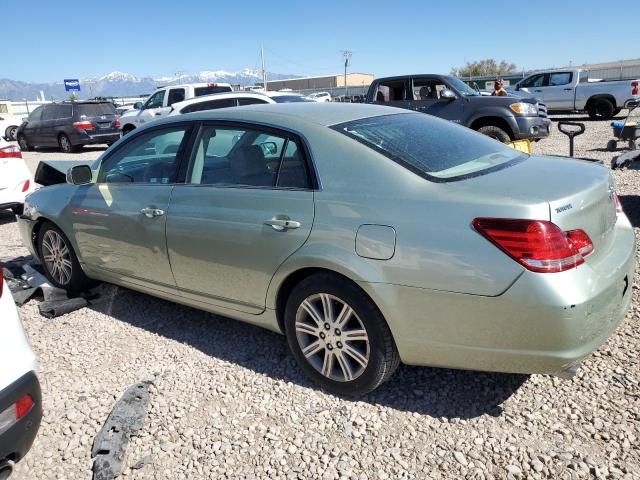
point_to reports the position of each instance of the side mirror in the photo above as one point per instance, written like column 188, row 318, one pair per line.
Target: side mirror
column 447, row 95
column 269, row 148
column 79, row 175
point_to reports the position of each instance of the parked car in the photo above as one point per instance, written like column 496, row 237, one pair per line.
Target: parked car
column 16, row 181
column 503, row 118
column 368, row 235
column 20, row 396
column 160, row 102
column 320, row 96
column 286, row 97
column 9, row 123
column 70, row 125
column 569, row 90
column 219, row 100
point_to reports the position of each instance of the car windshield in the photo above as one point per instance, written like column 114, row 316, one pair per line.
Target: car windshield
column 462, row 87
column 430, row 147
column 290, row 99
column 96, row 109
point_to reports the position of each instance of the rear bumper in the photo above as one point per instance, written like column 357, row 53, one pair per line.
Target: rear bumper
column 532, row 127
column 17, row 440
column 544, row 323
column 92, row 137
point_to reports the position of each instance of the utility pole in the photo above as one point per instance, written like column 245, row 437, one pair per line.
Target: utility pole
column 264, row 72
column 346, row 54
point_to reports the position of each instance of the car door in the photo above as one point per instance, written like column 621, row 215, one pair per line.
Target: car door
column 175, row 95
column 533, row 85
column 557, row 92
column 32, row 126
column 119, row 221
column 151, row 108
column 46, row 135
column 245, row 207
column 426, row 99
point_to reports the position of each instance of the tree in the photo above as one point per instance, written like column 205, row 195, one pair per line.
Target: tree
column 482, row 68
column 73, row 97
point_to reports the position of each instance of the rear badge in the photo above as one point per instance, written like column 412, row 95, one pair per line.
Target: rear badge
column 564, row 208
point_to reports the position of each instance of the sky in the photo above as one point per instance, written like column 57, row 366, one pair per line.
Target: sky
column 56, row 40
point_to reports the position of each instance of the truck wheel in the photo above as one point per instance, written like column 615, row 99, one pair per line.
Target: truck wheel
column 24, row 145
column 495, row 132
column 601, row 109
column 11, row 133
column 612, row 145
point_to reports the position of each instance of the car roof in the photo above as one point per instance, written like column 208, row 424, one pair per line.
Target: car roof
column 218, row 96
column 195, row 85
column 292, row 115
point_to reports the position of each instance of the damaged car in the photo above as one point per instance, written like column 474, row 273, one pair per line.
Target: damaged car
column 368, row 235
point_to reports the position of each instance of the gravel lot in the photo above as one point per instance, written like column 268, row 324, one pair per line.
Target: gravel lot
column 227, row 400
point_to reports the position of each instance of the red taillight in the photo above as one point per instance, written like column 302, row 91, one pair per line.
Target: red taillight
column 23, row 406
column 618, row 203
column 84, row 125
column 10, row 152
column 26, row 185
column 634, row 88
column 117, row 124
column 538, row 245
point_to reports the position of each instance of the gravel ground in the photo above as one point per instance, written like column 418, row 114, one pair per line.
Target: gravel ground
column 227, row 400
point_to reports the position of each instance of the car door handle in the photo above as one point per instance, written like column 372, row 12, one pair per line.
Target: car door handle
column 568, row 89
column 152, row 212
column 158, row 113
column 538, row 91
column 281, row 224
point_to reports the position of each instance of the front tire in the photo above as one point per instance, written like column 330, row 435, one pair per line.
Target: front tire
column 23, row 144
column 495, row 132
column 60, row 263
column 338, row 336
column 11, row 133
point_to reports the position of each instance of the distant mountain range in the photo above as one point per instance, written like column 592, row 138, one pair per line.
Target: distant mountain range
column 119, row 84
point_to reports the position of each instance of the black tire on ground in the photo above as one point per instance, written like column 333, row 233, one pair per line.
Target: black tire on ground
column 601, row 109
column 18, row 210
column 65, row 144
column 495, row 132
column 612, row 145
column 11, row 133
column 383, row 354
column 23, row 144
column 77, row 280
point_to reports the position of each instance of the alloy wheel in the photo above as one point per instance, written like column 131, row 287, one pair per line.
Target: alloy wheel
column 57, row 257
column 332, row 337
column 12, row 134
column 65, row 145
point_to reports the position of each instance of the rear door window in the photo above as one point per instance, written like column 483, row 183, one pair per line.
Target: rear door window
column 560, row 78
column 209, row 89
column 390, row 91
column 210, row 105
column 175, row 95
column 49, row 112
column 250, row 101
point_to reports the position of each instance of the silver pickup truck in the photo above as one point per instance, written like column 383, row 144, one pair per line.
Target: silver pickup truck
column 570, row 90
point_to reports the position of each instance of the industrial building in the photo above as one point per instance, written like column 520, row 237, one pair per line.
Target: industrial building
column 326, row 82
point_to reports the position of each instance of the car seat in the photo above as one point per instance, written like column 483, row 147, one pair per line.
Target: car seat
column 249, row 166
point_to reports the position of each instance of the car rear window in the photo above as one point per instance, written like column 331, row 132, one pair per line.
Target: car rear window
column 208, row 90
column 96, row 109
column 431, row 147
column 290, row 99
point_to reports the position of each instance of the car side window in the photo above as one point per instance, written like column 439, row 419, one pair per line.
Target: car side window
column 155, row 100
column 49, row 112
column 151, row 157
column 427, row 89
column 391, row 91
column 560, row 78
column 209, row 105
column 175, row 95
column 533, row 81
column 250, row 101
column 36, row 114
column 229, row 156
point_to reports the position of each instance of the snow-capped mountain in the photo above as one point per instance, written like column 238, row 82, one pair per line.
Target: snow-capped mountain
column 118, row 84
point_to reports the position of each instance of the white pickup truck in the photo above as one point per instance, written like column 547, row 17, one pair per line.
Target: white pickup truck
column 571, row 90
column 159, row 103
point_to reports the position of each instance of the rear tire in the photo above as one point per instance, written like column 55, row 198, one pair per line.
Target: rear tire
column 65, row 144
column 23, row 144
column 495, row 132
column 127, row 129
column 601, row 109
column 348, row 347
column 11, row 133
column 60, row 263
column 612, row 145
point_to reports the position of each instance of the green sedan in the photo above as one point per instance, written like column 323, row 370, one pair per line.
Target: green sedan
column 368, row 235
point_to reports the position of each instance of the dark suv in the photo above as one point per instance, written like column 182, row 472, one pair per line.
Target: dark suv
column 70, row 125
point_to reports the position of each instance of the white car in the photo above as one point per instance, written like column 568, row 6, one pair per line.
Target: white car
column 16, row 181
column 159, row 104
column 20, row 396
column 287, row 97
column 219, row 100
column 320, row 97
column 9, row 126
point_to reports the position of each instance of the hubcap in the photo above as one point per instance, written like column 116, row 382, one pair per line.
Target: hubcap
column 332, row 337
column 65, row 143
column 57, row 257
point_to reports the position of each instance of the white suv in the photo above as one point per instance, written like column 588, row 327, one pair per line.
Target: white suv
column 159, row 103
column 219, row 100
column 320, row 97
column 20, row 397
column 16, row 181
